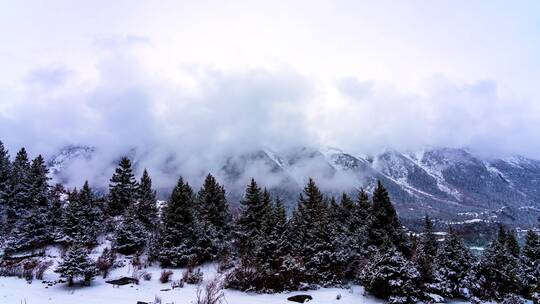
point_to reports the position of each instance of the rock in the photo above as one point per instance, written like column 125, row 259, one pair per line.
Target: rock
column 166, row 289
column 122, row 281
column 300, row 298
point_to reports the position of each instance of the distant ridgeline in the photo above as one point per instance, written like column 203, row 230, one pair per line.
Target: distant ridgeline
column 453, row 185
column 326, row 241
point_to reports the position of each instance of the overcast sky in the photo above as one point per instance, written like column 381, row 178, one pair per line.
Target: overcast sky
column 217, row 77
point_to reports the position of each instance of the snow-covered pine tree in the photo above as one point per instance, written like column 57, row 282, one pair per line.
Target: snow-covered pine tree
column 498, row 272
column 19, row 192
column 177, row 244
column 384, row 225
column 77, row 264
column 56, row 212
column 248, row 228
column 214, row 215
column 426, row 251
column 79, row 219
column 512, row 243
column 312, row 238
column 122, row 188
column 452, row 266
column 5, row 172
column 389, row 275
column 130, row 236
column 93, row 215
column 146, row 202
column 31, row 231
column 530, row 257
column 39, row 183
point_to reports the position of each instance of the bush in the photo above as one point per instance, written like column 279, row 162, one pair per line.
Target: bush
column 210, row 293
column 106, row 261
column 147, row 276
column 165, row 276
column 177, row 284
column 192, row 277
column 28, row 269
column 41, row 268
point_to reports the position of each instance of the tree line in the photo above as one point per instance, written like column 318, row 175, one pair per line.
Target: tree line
column 326, row 241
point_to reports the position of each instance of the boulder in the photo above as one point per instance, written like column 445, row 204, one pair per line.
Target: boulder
column 300, row 298
column 122, row 281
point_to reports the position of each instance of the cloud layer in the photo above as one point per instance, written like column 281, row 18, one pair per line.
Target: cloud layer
column 187, row 86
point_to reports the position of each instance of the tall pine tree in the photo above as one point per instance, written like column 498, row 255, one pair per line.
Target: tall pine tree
column 5, row 173
column 146, row 202
column 178, row 237
column 384, row 225
column 215, row 218
column 19, row 193
column 122, row 188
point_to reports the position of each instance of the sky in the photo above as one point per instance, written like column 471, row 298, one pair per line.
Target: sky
column 204, row 79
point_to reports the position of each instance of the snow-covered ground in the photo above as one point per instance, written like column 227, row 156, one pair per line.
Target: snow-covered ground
column 18, row 291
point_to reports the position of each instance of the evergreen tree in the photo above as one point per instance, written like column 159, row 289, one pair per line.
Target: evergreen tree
column 249, row 224
column 20, row 193
column 55, row 213
column 77, row 264
column 497, row 274
column 80, row 222
column 214, row 215
column 364, row 207
column 390, row 276
column 147, row 203
column 178, row 237
column 453, row 263
column 122, row 188
column 384, row 225
column 312, row 237
column 39, row 186
column 531, row 263
column 130, row 236
column 30, row 232
column 426, row 252
column 511, row 243
column 5, row 173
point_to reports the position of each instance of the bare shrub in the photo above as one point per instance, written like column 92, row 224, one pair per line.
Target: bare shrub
column 11, row 269
column 165, row 276
column 177, row 284
column 191, row 276
column 41, row 268
column 106, row 261
column 28, row 269
column 157, row 300
column 210, row 293
column 147, row 276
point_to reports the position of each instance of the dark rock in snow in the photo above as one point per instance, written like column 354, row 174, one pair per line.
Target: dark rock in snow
column 300, row 298
column 122, row 281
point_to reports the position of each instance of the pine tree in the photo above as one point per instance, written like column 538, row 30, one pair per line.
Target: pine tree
column 122, row 188
column 147, row 203
column 77, row 264
column 178, row 236
column 55, row 213
column 384, row 225
column 497, row 274
column 38, row 179
column 531, row 263
column 215, row 218
column 389, row 275
column 511, row 243
column 30, row 232
column 5, row 173
column 426, row 252
column 19, row 194
column 452, row 266
column 249, row 224
column 130, row 236
column 312, row 235
column 80, row 220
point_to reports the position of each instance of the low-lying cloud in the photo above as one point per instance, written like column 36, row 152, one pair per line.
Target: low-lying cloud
column 192, row 123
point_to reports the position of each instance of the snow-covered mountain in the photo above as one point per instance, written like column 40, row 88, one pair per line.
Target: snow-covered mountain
column 446, row 183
